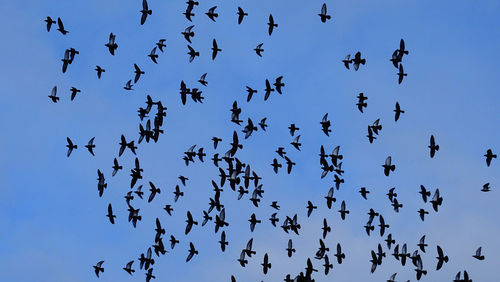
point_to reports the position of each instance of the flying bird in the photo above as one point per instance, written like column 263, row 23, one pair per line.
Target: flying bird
column 60, row 27
column 53, row 95
column 215, row 49
column 433, row 147
column 49, row 22
column 271, row 24
column 241, row 15
column 323, row 14
column 112, row 46
column 145, row 11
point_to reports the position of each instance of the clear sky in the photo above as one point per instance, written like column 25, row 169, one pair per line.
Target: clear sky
column 53, row 224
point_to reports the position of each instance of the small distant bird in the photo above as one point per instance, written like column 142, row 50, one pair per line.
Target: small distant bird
column 295, row 143
column 188, row 33
column 364, row 192
column 263, row 124
column 112, row 46
column 116, row 167
column 433, row 147
column 478, row 255
column 271, row 24
column 192, row 251
column 293, row 128
column 128, row 267
column 486, row 187
column 489, row 156
column 99, row 71
column 161, row 44
column 323, row 14
column 441, row 258
column 128, row 85
column 268, row 90
column 202, row 79
column 398, row 112
column 60, row 27
column 424, row 193
column 215, row 49
column 110, row 214
column 192, row 54
column 90, row 146
column 138, row 72
column 347, row 61
column 278, row 84
column 49, row 22
column 259, row 49
column 98, row 268
column 388, row 166
column 361, row 102
column 153, row 55
column 357, row 61
column 241, row 15
column 70, row 146
column 266, row 264
column 212, row 14
column 145, row 11
column 401, row 74
column 74, row 91
column 53, row 95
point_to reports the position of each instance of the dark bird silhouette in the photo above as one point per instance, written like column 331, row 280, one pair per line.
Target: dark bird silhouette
column 74, row 91
column 223, row 243
column 290, row 250
column 382, row 225
column 421, row 244
column 90, row 146
column 478, row 254
column 258, row 50
column 310, row 207
column 263, row 124
column 53, row 95
column 325, row 125
column 424, row 193
column 323, row 14
column 154, row 191
column 339, row 254
column 112, row 46
column 398, row 112
column 329, row 198
column 189, row 222
column 436, row 201
column 250, row 93
column 98, row 268
column 66, row 60
column 241, row 15
column 364, row 192
column 253, row 221
column 116, row 167
column 433, row 147
column 192, row 54
column 388, row 166
column 145, row 11
column 295, row 143
column 153, row 55
column 70, row 146
column 343, row 211
column 441, row 258
column 422, row 213
column 60, row 27
column 357, row 61
column 99, row 71
column 347, row 61
column 212, row 14
column 278, row 84
column 271, row 25
column 489, row 156
column 128, row 85
column 188, row 33
column 192, row 251
column 110, row 214
column 168, row 209
column 325, row 228
column 486, row 187
column 266, row 265
column 161, row 44
column 361, row 101
column 49, row 22
column 138, row 72
column 401, row 74
column 215, row 49
column 202, row 79
column 268, row 90
column 128, row 267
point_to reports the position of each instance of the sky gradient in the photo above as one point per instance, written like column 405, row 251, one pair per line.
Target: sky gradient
column 53, row 222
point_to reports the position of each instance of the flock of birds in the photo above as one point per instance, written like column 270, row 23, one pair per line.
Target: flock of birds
column 241, row 178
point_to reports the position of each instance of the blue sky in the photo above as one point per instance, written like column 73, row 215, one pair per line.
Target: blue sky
column 53, row 222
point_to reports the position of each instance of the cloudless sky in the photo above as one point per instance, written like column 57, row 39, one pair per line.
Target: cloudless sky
column 53, row 224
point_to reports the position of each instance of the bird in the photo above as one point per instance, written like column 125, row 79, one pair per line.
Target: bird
column 433, row 147
column 290, row 250
column 478, row 254
column 266, row 265
column 128, row 267
column 128, row 85
column 215, row 49
column 401, row 74
column 70, row 146
column 258, row 50
column 223, row 243
column 145, row 11
column 66, row 60
column 112, row 46
column 268, row 90
column 188, row 33
column 343, row 211
column 250, row 92
column 153, row 55
column 212, row 14
column 138, row 72
column 388, row 166
column 192, row 54
column 98, row 268
column 241, row 15
column 361, row 101
column 347, row 60
column 60, row 27
column 323, row 14
column 110, row 214
column 49, row 22
column 202, row 80
column 161, row 44
column 364, row 192
column 357, row 61
column 192, row 251
column 271, row 24
column 90, row 146
column 424, row 193
column 441, row 258
column 486, row 187
column 53, row 95
column 489, row 156
column 295, row 143
column 74, row 91
column 310, row 207
column 99, row 71
column 398, row 112
column 116, row 167
column 278, row 84
column 422, row 244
